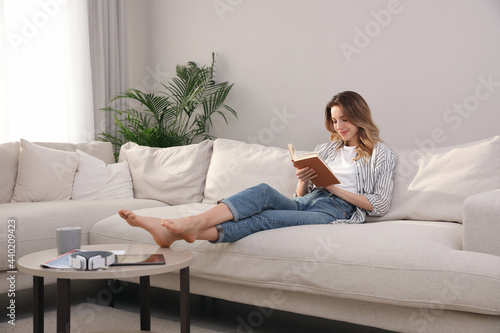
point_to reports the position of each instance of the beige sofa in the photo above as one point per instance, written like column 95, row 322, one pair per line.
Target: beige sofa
column 432, row 264
column 37, row 175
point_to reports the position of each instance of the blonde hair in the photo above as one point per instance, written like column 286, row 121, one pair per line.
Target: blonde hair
column 357, row 112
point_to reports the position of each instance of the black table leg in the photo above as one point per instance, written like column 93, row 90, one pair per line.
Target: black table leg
column 185, row 327
column 145, row 300
column 63, row 304
column 109, row 284
column 38, row 304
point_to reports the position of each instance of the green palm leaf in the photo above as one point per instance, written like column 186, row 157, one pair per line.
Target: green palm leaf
column 178, row 115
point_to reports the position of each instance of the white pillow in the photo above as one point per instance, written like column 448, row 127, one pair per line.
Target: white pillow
column 236, row 166
column 433, row 185
column 174, row 175
column 96, row 180
column 44, row 174
column 99, row 149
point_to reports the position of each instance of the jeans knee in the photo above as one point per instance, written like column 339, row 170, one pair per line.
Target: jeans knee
column 265, row 190
column 263, row 187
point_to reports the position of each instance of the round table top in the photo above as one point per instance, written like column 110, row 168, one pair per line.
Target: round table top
column 174, row 260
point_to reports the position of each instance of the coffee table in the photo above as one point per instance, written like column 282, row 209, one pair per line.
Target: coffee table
column 175, row 260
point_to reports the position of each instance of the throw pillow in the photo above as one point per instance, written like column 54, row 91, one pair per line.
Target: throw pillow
column 44, row 174
column 236, row 166
column 174, row 175
column 433, row 185
column 99, row 149
column 95, row 179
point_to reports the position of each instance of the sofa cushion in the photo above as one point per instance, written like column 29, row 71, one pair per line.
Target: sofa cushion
column 173, row 175
column 409, row 263
column 432, row 184
column 95, row 179
column 9, row 154
column 44, row 174
column 236, row 166
column 36, row 222
column 99, row 149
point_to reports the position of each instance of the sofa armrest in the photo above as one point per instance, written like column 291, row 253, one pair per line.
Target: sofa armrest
column 482, row 223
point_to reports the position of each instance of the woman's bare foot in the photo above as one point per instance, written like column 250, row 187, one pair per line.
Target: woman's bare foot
column 186, row 227
column 136, row 220
column 194, row 227
column 161, row 235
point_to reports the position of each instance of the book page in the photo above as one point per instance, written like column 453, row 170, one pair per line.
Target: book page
column 291, row 150
column 306, row 156
column 312, row 160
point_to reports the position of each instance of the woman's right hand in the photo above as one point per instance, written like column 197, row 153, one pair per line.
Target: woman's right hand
column 305, row 174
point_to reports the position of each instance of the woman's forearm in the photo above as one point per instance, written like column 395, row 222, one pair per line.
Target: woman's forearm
column 353, row 198
column 302, row 188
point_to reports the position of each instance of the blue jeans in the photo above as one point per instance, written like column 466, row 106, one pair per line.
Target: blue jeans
column 262, row 208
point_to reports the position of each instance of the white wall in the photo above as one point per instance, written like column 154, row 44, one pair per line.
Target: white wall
column 417, row 63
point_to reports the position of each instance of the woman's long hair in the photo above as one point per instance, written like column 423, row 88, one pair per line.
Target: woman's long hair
column 357, row 112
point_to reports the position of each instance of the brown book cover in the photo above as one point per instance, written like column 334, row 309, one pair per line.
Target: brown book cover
column 324, row 177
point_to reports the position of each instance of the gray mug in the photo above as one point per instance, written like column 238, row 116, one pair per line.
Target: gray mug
column 68, row 238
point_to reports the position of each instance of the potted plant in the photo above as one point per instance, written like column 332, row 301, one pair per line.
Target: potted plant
column 176, row 116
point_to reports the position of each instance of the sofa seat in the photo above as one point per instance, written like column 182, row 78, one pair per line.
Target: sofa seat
column 406, row 263
column 36, row 222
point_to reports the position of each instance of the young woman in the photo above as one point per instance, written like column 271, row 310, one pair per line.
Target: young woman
column 363, row 164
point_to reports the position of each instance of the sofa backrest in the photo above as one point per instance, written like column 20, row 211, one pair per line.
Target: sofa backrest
column 429, row 184
column 9, row 158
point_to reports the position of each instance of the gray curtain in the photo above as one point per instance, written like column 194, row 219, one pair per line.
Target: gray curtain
column 108, row 56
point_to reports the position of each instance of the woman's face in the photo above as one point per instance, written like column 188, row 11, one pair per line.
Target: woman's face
column 348, row 131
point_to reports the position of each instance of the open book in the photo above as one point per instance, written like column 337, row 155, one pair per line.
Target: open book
column 324, row 177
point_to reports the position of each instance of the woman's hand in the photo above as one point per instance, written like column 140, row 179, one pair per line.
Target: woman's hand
column 304, row 175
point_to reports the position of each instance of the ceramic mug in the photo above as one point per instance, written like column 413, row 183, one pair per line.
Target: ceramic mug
column 68, row 238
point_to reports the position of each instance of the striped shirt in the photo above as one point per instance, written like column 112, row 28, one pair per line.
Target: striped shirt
column 373, row 177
